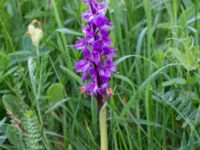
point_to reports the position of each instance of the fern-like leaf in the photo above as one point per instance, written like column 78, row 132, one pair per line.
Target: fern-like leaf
column 33, row 136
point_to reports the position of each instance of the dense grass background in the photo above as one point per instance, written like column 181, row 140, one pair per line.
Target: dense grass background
column 156, row 90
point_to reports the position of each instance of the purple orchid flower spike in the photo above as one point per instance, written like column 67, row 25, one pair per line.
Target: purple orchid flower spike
column 96, row 64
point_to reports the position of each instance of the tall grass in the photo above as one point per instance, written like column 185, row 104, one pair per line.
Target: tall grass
column 156, row 90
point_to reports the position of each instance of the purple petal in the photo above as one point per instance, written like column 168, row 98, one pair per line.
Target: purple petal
column 101, row 21
column 102, row 7
column 91, row 88
column 95, row 58
column 93, row 73
column 109, row 52
column 104, row 32
column 88, row 17
column 105, row 85
column 80, row 44
column 105, row 36
column 111, row 66
column 100, row 91
column 97, row 46
column 106, row 73
column 86, row 1
column 82, row 65
column 86, row 52
column 101, row 72
column 84, row 78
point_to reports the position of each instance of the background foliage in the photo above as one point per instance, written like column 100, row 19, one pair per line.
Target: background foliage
column 156, row 90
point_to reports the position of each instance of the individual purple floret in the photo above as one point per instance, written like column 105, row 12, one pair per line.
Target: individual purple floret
column 97, row 64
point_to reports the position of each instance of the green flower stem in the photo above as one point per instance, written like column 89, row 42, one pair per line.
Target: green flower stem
column 103, row 128
column 37, row 48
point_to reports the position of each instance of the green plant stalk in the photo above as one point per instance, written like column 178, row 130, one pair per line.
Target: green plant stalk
column 118, row 39
column 148, row 114
column 62, row 40
column 46, row 143
column 148, row 108
column 103, row 128
column 62, row 36
column 138, row 127
column 37, row 92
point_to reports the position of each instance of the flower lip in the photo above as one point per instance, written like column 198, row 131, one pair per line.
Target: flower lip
column 82, row 65
column 80, row 44
column 88, row 16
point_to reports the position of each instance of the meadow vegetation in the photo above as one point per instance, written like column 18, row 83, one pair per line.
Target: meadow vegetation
column 156, row 101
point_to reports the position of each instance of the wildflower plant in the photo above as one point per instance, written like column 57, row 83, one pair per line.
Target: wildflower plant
column 96, row 46
column 97, row 62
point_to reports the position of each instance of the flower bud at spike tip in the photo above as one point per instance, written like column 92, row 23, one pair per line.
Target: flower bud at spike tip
column 96, row 46
column 35, row 33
